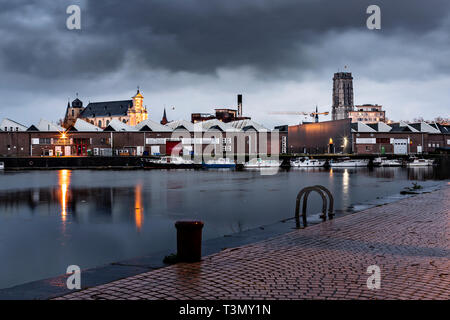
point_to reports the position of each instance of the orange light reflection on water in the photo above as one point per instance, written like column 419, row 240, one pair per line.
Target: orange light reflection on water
column 64, row 182
column 138, row 207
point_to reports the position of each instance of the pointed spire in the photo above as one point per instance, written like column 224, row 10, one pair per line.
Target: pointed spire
column 164, row 118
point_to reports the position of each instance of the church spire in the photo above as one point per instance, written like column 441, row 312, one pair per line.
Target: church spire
column 164, row 118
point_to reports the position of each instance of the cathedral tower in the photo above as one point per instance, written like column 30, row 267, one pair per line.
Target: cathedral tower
column 137, row 112
column 342, row 95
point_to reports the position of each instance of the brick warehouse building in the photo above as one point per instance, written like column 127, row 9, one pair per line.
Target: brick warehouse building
column 216, row 137
column 320, row 137
column 342, row 136
column 399, row 138
column 146, row 138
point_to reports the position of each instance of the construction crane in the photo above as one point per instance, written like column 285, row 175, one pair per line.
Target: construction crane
column 314, row 115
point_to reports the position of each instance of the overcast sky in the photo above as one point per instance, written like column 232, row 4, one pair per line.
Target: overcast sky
column 196, row 55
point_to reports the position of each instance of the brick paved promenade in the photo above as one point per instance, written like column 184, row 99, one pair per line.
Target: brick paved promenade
column 409, row 240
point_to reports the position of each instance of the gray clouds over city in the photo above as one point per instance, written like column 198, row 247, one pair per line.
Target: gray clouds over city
column 196, row 55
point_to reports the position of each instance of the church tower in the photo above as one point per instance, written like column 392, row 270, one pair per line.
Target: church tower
column 137, row 112
column 342, row 95
column 164, row 118
column 72, row 112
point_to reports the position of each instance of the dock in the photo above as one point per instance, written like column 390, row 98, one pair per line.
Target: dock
column 408, row 240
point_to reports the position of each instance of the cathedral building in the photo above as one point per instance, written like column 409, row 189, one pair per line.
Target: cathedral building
column 101, row 114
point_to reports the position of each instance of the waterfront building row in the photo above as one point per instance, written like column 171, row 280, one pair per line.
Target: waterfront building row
column 216, row 137
column 146, row 138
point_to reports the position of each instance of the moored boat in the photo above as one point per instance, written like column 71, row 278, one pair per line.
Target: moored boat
column 172, row 160
column 384, row 162
column 262, row 163
column 306, row 163
column 219, row 163
column 420, row 163
column 349, row 163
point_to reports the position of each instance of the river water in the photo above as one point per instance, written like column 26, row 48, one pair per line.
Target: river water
column 52, row 219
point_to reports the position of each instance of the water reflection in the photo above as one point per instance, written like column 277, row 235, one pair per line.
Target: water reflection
column 345, row 182
column 110, row 216
column 64, row 181
column 414, row 173
column 138, row 207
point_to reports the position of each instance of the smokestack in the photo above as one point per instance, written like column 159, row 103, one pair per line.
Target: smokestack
column 239, row 97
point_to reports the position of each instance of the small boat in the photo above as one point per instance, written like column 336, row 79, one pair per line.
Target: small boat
column 219, row 163
column 349, row 163
column 2, row 165
column 173, row 160
column 306, row 163
column 261, row 163
column 420, row 163
column 384, row 162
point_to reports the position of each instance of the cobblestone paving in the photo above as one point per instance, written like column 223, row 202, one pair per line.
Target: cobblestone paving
column 409, row 240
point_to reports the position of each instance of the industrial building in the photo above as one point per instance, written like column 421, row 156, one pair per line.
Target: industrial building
column 146, row 138
column 343, row 136
column 223, row 114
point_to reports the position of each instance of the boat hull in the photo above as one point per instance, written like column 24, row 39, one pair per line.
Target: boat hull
column 419, row 165
column 391, row 164
column 218, row 166
column 348, row 164
column 308, row 165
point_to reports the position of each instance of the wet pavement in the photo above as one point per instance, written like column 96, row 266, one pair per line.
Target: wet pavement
column 409, row 240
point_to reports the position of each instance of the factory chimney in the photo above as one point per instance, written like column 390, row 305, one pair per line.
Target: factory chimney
column 239, row 106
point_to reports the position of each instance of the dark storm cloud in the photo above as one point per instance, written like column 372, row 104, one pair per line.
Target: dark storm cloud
column 197, row 36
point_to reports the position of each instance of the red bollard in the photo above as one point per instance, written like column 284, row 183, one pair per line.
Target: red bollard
column 189, row 241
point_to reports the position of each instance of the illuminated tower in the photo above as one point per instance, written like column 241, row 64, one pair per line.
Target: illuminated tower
column 137, row 112
column 342, row 95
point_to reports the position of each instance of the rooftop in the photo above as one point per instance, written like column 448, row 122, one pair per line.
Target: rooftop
column 106, row 109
